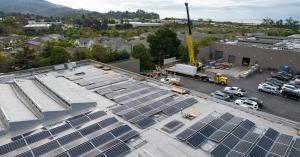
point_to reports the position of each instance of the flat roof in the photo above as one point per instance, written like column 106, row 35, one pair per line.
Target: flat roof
column 43, row 101
column 65, row 89
column 153, row 141
column 14, row 109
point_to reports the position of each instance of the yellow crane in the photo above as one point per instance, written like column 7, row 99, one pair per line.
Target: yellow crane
column 189, row 40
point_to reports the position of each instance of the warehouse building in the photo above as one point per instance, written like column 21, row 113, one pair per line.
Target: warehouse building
column 133, row 117
column 268, row 52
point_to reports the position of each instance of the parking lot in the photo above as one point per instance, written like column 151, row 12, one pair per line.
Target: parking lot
column 273, row 104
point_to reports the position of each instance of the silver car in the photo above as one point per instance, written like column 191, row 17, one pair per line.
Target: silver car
column 220, row 95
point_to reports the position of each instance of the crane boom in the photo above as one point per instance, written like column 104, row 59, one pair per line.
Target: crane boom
column 189, row 39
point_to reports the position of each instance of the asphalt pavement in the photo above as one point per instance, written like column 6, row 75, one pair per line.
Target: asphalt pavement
column 273, row 104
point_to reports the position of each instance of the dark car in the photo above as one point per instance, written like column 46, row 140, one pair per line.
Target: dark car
column 275, row 81
column 291, row 94
column 280, row 77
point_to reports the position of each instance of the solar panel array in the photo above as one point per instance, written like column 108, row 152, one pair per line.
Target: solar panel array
column 88, row 134
column 172, row 126
column 235, row 137
column 138, row 101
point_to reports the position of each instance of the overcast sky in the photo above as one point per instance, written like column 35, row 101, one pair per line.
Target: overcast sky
column 237, row 10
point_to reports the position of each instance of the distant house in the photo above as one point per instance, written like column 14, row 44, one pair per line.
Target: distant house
column 39, row 41
column 85, row 42
column 12, row 39
column 116, row 44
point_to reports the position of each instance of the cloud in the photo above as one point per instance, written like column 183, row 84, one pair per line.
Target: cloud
column 215, row 9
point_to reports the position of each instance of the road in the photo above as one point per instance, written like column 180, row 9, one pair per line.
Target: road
column 273, row 104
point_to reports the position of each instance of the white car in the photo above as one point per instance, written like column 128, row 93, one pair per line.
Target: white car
column 247, row 103
column 290, row 87
column 267, row 88
column 236, row 91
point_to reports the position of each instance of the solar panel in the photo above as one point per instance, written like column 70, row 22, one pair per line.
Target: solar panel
column 294, row 153
column 234, row 154
column 230, row 141
column 172, row 126
column 79, row 121
column 101, row 155
column 218, row 123
column 102, row 139
column 297, row 144
column 157, row 104
column 239, row 132
column 243, row 147
column 220, row 151
column 80, row 149
column 247, row 124
column 196, row 139
column 119, row 109
column 227, row 117
column 107, row 122
column 191, row 101
column 185, row 134
column 197, row 126
column 132, row 103
column 285, row 139
column 228, row 127
column 12, row 146
column 37, row 137
column 181, row 105
column 279, row 149
column 43, row 149
column 167, row 100
column 218, row 136
column 117, row 151
column 208, row 130
column 170, row 111
column 63, row 154
column 208, row 119
column 120, row 130
column 271, row 133
column 129, row 135
column 26, row 154
column 236, row 120
column 273, row 155
column 109, row 145
column 88, row 130
column 152, row 112
column 96, row 115
column 60, row 129
column 265, row 143
column 257, row 152
column 131, row 115
column 145, row 123
column 251, row 137
column 145, row 109
column 69, row 138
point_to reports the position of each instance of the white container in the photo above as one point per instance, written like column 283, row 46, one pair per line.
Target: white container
column 186, row 69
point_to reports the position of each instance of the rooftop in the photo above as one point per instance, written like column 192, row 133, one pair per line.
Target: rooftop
column 135, row 113
column 269, row 42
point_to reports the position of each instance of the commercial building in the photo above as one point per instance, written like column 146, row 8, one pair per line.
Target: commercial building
column 123, row 114
column 268, row 52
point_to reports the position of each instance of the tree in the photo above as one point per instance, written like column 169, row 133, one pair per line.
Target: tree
column 24, row 59
column 141, row 52
column 291, row 23
column 279, row 23
column 268, row 22
column 81, row 55
column 163, row 44
column 100, row 53
column 4, row 63
column 41, row 62
column 59, row 55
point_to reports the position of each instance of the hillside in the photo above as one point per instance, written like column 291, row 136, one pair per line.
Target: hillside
column 45, row 8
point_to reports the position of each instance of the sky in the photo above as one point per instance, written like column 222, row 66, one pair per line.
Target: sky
column 220, row 10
